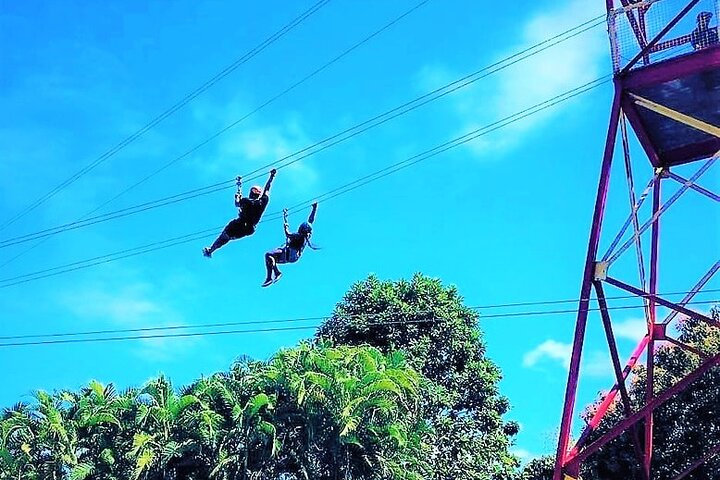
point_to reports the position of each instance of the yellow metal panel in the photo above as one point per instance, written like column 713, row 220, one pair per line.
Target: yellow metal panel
column 677, row 116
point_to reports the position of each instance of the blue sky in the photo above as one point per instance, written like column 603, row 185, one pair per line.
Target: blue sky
column 504, row 218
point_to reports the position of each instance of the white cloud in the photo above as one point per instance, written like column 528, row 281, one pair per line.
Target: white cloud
column 556, row 70
column 532, row 80
column 432, row 77
column 522, row 454
column 125, row 307
column 253, row 148
column 132, row 306
column 595, row 363
column 550, row 349
column 633, row 329
column 251, row 145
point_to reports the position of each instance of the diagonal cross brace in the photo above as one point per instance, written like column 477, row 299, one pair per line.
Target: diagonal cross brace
column 630, row 364
column 710, row 454
column 662, row 209
column 651, row 44
column 685, row 346
column 699, row 285
column 656, row 402
column 633, row 214
column 662, row 301
column 694, row 186
column 639, row 32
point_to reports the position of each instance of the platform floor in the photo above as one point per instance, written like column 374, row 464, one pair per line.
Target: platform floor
column 697, row 95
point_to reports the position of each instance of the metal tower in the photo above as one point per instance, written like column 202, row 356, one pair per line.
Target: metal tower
column 666, row 62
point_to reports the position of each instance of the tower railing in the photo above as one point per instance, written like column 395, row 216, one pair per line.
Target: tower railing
column 632, row 25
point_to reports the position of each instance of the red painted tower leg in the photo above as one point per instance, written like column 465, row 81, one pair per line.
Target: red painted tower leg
column 650, row 385
column 588, row 277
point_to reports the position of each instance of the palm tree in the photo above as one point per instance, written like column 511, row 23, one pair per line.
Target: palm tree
column 55, row 448
column 160, row 441
column 247, row 442
column 102, row 418
column 17, row 436
column 312, row 412
column 357, row 407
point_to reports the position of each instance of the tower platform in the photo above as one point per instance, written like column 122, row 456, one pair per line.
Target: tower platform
column 688, row 87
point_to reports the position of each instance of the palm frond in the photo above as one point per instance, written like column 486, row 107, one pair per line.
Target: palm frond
column 82, row 471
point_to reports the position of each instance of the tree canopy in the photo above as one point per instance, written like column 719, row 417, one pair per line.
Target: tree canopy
column 441, row 338
column 312, row 411
column 396, row 385
column 685, row 427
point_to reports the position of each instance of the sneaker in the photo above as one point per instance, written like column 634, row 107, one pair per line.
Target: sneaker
column 207, row 252
column 277, row 277
column 267, row 283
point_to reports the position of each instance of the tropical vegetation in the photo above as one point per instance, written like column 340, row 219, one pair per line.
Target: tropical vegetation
column 408, row 395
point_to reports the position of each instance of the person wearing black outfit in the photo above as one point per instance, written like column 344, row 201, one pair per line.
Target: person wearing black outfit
column 250, row 210
column 292, row 250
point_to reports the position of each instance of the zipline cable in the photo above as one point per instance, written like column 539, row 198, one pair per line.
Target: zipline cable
column 364, row 316
column 343, row 135
column 459, row 141
column 7, row 282
column 264, row 104
column 170, row 111
column 289, row 328
column 119, row 213
column 225, row 129
column 442, row 91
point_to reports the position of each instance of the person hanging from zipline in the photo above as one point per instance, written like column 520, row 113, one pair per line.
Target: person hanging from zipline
column 292, row 250
column 250, row 210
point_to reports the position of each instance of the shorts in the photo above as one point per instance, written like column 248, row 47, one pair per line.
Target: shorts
column 238, row 228
column 291, row 255
column 285, row 255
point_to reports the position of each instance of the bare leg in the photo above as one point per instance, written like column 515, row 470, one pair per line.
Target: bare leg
column 276, row 269
column 277, row 257
column 269, row 267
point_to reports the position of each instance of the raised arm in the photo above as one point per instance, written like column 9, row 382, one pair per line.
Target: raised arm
column 266, row 190
column 238, row 193
column 311, row 218
column 285, row 223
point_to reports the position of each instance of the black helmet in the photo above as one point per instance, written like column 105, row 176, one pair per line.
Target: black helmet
column 305, row 228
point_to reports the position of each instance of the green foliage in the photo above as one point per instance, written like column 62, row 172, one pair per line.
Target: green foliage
column 342, row 410
column 403, row 392
column 441, row 339
column 539, row 468
column 311, row 412
column 685, row 427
